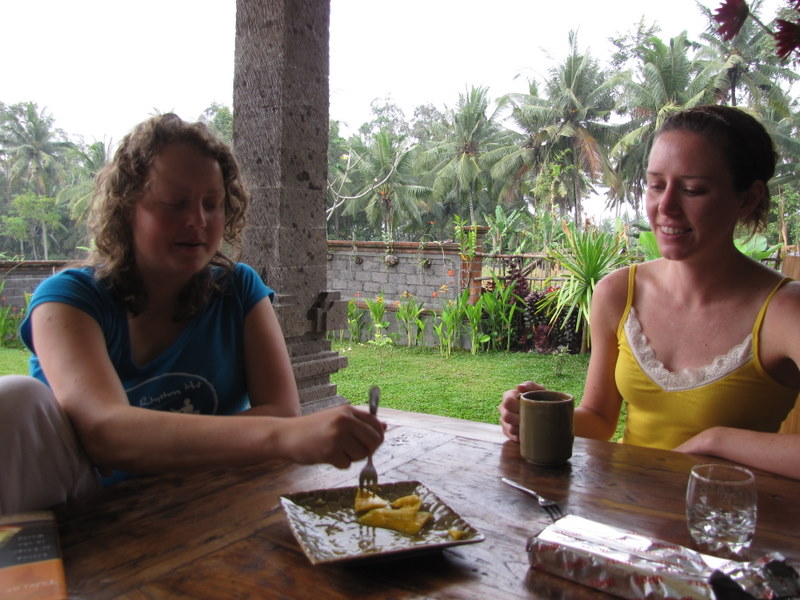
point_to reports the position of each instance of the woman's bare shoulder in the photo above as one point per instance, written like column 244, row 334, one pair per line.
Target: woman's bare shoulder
column 614, row 285
column 787, row 298
column 610, row 297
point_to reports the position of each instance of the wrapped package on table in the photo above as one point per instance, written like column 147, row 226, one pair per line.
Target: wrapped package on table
column 629, row 565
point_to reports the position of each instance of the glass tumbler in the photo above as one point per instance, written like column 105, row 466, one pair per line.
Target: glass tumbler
column 721, row 507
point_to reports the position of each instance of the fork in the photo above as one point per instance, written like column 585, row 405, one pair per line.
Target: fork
column 551, row 507
column 368, row 478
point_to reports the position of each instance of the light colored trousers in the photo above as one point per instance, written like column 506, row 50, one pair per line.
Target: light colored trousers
column 41, row 461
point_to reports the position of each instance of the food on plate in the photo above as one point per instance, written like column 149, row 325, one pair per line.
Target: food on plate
column 403, row 515
column 366, row 500
column 456, row 534
column 407, row 519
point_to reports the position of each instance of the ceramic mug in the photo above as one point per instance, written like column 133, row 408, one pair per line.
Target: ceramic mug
column 546, row 432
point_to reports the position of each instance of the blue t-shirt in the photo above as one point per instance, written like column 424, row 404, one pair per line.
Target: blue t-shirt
column 201, row 372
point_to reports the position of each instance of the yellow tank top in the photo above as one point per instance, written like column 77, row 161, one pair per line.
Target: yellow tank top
column 746, row 397
column 792, row 422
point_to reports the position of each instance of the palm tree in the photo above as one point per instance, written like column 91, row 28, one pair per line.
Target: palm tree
column 786, row 133
column 748, row 71
column 33, row 149
column 567, row 126
column 458, row 162
column 669, row 79
column 78, row 195
column 389, row 194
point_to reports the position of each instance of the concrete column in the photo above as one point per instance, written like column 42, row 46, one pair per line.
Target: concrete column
column 280, row 136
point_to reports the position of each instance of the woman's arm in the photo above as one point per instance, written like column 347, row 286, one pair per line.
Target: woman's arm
column 72, row 353
column 774, row 452
column 598, row 413
column 779, row 350
column 270, row 380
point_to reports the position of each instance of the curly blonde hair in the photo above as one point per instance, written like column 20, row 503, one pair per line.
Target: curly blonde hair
column 119, row 186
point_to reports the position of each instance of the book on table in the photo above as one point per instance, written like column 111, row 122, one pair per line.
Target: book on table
column 31, row 566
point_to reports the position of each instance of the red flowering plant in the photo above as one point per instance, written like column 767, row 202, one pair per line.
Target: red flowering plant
column 787, row 37
column 732, row 14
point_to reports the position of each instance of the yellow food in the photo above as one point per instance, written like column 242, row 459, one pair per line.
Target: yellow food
column 366, row 500
column 405, row 520
column 456, row 534
column 403, row 515
column 412, row 500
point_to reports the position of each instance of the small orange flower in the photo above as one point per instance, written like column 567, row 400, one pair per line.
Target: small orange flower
column 358, row 294
column 435, row 294
column 397, row 302
column 450, row 273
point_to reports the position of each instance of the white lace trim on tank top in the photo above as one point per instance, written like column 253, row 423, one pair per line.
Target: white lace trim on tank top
column 686, row 379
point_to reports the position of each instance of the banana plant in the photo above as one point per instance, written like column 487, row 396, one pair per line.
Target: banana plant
column 754, row 246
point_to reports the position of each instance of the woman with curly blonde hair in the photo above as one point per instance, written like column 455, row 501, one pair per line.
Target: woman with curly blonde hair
column 159, row 353
column 122, row 181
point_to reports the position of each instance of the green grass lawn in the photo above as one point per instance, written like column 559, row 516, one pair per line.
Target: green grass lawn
column 13, row 362
column 421, row 380
column 462, row 385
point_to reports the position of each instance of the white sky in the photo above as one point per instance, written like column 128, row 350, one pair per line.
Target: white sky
column 101, row 66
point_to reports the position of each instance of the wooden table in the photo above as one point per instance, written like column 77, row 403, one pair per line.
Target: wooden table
column 222, row 534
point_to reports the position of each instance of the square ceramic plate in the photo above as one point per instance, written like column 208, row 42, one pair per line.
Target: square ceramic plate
column 324, row 523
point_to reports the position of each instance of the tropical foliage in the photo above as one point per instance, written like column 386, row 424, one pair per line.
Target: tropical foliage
column 517, row 163
column 587, row 257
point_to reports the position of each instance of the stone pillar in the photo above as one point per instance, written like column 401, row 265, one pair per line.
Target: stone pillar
column 280, row 136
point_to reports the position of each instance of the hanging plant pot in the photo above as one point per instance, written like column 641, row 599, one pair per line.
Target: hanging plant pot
column 425, row 263
column 390, row 260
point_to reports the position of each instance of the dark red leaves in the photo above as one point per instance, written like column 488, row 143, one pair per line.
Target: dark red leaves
column 731, row 16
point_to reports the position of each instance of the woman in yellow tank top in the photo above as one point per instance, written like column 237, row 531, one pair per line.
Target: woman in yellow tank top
column 702, row 343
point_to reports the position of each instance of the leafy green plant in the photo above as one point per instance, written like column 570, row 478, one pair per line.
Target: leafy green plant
column 756, row 247
column 648, row 245
column 409, row 315
column 587, row 257
column 500, row 304
column 466, row 236
column 377, row 311
column 355, row 319
column 380, row 340
column 474, row 315
column 503, row 228
column 447, row 326
column 10, row 318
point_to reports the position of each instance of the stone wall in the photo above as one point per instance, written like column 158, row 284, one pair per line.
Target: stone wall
column 369, row 269
column 354, row 270
column 365, row 270
column 22, row 277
